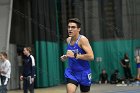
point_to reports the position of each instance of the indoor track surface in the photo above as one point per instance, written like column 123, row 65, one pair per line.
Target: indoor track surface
column 95, row 88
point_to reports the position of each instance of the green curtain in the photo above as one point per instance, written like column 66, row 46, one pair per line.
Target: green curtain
column 50, row 69
column 47, row 59
column 111, row 53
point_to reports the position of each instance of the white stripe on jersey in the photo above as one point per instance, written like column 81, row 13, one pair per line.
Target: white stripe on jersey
column 33, row 60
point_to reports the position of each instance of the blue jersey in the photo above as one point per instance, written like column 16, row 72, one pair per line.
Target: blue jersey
column 77, row 64
column 28, row 66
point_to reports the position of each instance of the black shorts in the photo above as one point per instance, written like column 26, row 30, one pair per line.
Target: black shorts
column 82, row 87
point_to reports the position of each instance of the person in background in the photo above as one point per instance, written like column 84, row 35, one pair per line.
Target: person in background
column 103, row 78
column 5, row 71
column 114, row 79
column 125, row 62
column 28, row 74
column 138, row 66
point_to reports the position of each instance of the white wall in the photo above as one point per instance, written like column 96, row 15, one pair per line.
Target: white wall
column 5, row 21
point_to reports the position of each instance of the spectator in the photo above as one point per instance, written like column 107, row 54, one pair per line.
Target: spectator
column 103, row 78
column 28, row 73
column 5, row 72
column 138, row 66
column 114, row 79
column 125, row 62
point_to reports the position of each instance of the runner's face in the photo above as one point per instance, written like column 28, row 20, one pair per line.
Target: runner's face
column 73, row 29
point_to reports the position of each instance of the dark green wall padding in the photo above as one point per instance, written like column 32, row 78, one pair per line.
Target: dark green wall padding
column 50, row 70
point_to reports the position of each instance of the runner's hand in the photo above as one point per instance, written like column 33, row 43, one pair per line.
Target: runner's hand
column 70, row 54
column 63, row 58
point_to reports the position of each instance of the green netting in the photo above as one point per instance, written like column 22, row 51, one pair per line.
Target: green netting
column 50, row 69
column 111, row 53
column 47, row 59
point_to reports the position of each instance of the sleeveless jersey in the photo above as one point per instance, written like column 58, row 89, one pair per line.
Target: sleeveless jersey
column 77, row 64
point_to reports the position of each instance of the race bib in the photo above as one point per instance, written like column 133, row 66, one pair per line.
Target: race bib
column 89, row 76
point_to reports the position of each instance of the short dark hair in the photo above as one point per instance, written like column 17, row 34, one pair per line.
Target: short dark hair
column 75, row 20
